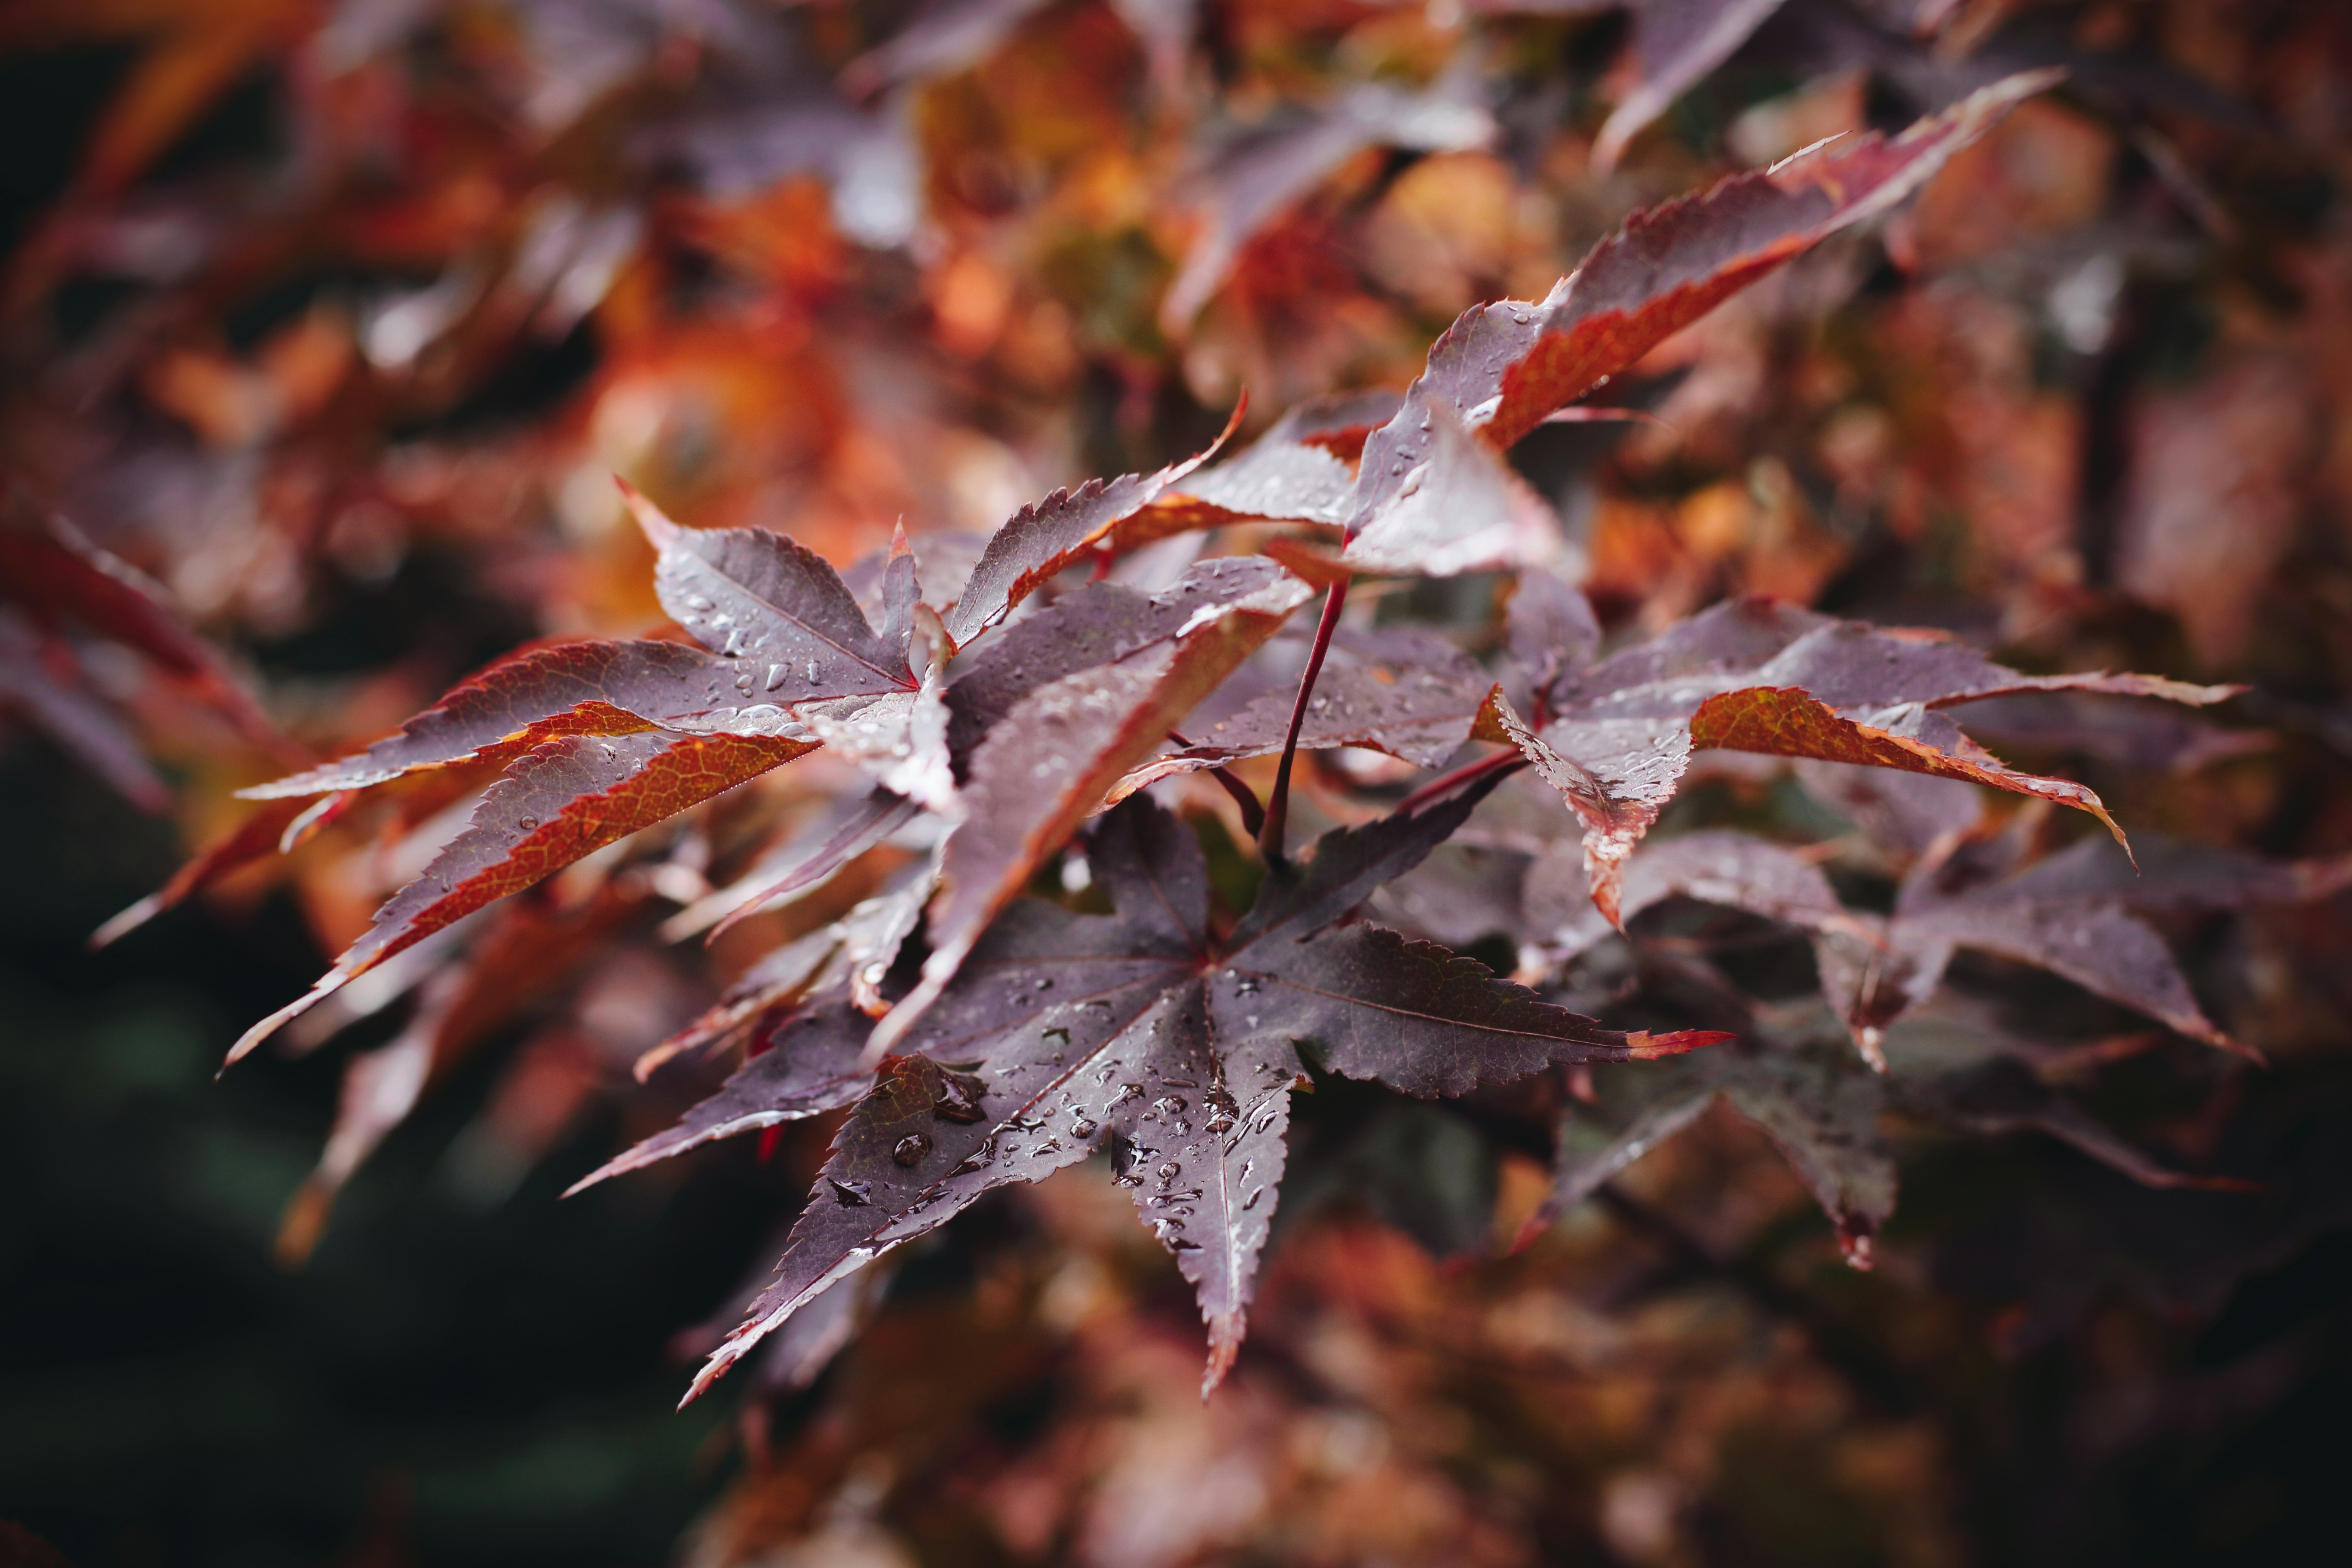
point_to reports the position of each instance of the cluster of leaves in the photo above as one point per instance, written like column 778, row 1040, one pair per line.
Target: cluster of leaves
column 1026, row 890
column 1166, row 1030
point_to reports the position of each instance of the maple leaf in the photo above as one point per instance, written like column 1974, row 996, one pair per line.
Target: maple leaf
column 1453, row 505
column 1081, row 697
column 86, row 728
column 1793, row 1077
column 780, row 609
column 781, row 627
column 1755, row 675
column 798, row 867
column 1502, row 368
column 560, row 800
column 1044, row 538
column 2071, row 913
column 531, row 696
column 50, row 568
column 808, row 1058
column 2075, row 913
column 1303, row 470
column 1251, row 182
column 1063, row 1033
column 852, row 954
column 599, row 740
column 1678, row 42
column 1079, row 694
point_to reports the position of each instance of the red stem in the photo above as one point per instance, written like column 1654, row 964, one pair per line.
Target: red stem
column 1277, row 809
column 1498, row 762
column 1253, row 814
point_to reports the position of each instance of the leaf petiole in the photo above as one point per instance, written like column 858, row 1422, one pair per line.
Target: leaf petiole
column 1253, row 814
column 1277, row 808
column 1446, row 783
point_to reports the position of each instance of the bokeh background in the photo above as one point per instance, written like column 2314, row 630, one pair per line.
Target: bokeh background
column 334, row 319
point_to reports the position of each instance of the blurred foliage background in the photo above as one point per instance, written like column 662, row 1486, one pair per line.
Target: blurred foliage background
column 336, row 318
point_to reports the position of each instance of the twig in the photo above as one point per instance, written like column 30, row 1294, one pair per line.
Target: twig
column 1277, row 809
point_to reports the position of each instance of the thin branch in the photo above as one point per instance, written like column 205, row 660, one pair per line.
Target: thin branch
column 1277, row 809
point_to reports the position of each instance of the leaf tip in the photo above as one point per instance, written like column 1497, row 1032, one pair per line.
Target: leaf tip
column 656, row 523
column 251, row 1039
column 124, row 923
column 1225, row 1332
column 2238, row 1047
column 1858, row 1248
column 609, row 1168
column 1647, row 1047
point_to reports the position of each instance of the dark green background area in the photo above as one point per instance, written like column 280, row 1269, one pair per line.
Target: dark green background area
column 168, row 1396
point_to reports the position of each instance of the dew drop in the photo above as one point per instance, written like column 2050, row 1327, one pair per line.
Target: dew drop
column 851, row 1195
column 1056, row 1035
column 775, row 677
column 1169, row 1170
column 959, row 1099
column 912, row 1148
column 1081, row 1128
column 528, row 823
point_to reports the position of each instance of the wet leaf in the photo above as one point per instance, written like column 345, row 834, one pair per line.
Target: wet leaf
column 1502, row 368
column 1754, row 675
column 778, row 609
column 2070, row 914
column 1062, row 1033
column 1818, row 1105
column 559, row 801
column 1048, row 763
column 1043, row 539
column 51, row 569
column 528, row 698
